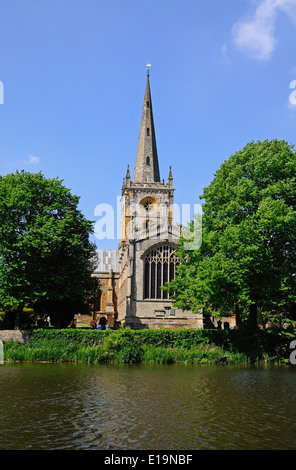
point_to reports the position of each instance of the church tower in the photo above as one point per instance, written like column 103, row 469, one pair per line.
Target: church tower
column 146, row 201
column 148, row 237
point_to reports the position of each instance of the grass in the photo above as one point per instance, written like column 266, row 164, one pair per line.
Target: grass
column 152, row 346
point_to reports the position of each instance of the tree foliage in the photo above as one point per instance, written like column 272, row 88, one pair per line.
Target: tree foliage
column 247, row 258
column 46, row 258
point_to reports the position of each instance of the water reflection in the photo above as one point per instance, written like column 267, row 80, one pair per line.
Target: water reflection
column 79, row 406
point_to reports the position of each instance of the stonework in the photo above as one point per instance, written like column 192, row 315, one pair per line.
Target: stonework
column 15, row 335
column 224, row 323
column 146, row 226
column 105, row 307
column 131, row 277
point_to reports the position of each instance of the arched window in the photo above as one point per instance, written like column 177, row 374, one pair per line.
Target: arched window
column 160, row 267
column 148, row 131
column 147, row 160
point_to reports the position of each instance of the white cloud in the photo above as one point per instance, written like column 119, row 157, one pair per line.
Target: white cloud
column 292, row 97
column 255, row 35
column 32, row 160
column 224, row 52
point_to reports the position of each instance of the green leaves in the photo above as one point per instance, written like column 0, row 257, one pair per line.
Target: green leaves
column 45, row 251
column 248, row 253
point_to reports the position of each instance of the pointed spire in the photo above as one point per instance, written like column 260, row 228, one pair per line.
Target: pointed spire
column 147, row 168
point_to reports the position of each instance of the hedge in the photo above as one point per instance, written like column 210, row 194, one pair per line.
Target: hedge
column 158, row 346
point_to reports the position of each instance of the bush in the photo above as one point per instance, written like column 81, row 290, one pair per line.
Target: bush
column 123, row 345
column 87, row 337
column 153, row 346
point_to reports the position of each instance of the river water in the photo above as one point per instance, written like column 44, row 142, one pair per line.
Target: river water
column 157, row 407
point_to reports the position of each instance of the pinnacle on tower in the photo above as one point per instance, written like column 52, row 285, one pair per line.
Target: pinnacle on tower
column 128, row 177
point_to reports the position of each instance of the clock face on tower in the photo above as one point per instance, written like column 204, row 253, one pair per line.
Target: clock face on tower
column 149, row 204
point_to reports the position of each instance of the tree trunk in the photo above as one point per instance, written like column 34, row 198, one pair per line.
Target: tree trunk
column 293, row 311
column 238, row 319
column 18, row 318
column 252, row 321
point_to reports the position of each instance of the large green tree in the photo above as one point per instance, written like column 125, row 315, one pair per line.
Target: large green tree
column 247, row 259
column 46, row 258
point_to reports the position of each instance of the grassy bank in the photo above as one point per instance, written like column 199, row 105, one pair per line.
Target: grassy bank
column 153, row 346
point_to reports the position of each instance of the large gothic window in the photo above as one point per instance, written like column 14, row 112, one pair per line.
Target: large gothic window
column 160, row 267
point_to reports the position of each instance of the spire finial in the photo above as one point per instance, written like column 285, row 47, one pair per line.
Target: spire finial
column 148, row 66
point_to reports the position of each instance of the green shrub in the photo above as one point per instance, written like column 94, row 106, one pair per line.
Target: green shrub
column 123, row 345
column 153, row 346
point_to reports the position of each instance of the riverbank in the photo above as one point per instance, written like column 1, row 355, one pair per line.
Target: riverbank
column 153, row 346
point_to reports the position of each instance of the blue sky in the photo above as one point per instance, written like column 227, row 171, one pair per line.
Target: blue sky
column 73, row 74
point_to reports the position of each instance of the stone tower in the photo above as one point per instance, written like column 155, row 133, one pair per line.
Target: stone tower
column 148, row 238
column 146, row 201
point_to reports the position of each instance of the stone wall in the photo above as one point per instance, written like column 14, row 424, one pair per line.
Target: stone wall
column 107, row 297
column 14, row 335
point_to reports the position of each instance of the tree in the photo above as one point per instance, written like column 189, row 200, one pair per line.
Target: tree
column 46, row 258
column 247, row 258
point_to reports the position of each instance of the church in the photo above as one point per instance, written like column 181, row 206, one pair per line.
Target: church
column 131, row 277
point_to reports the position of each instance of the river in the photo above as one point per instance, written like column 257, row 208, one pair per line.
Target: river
column 133, row 407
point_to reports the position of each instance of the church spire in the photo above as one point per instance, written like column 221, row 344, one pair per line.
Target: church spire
column 147, row 168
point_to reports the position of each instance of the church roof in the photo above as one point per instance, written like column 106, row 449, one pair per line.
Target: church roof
column 107, row 260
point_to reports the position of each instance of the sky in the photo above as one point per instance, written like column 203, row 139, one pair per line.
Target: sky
column 72, row 82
